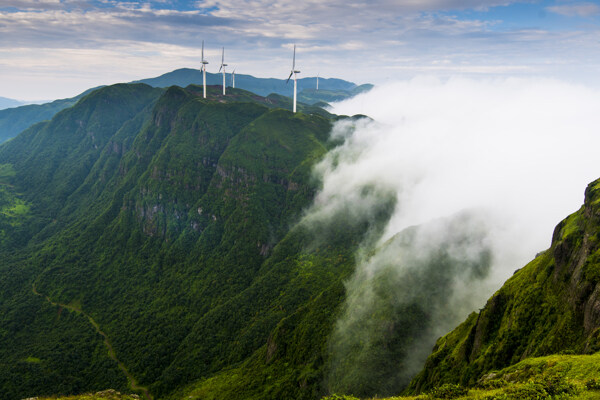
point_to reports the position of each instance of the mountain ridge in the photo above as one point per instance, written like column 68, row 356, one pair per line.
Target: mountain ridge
column 15, row 119
column 166, row 218
column 549, row 306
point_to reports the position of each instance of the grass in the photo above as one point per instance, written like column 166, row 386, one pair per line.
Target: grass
column 574, row 377
column 109, row 394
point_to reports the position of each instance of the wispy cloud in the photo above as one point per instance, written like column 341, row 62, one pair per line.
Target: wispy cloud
column 480, row 171
column 576, row 9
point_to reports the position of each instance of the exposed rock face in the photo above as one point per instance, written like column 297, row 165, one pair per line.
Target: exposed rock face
column 550, row 306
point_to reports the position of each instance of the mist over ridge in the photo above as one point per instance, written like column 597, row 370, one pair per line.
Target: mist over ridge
column 522, row 149
column 513, row 154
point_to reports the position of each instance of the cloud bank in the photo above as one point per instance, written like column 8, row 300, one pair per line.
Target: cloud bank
column 481, row 171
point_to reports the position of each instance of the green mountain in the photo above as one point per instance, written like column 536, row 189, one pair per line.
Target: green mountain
column 18, row 118
column 149, row 242
column 550, row 306
column 156, row 242
column 15, row 120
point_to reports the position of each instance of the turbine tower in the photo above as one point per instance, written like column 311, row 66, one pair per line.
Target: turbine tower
column 294, row 72
column 204, row 62
column 233, row 79
column 317, row 81
column 223, row 65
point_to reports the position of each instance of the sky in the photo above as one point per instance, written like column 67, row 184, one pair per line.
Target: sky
column 58, row 48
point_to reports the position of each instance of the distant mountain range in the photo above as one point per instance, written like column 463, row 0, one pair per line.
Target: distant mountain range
column 20, row 117
column 7, row 103
column 261, row 86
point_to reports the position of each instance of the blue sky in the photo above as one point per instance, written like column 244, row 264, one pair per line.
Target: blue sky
column 58, row 48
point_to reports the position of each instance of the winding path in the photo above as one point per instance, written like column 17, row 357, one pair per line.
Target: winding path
column 133, row 384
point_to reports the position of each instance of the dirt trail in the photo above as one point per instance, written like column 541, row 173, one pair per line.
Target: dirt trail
column 133, row 384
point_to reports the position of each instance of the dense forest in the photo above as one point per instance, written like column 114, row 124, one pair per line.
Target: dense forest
column 172, row 223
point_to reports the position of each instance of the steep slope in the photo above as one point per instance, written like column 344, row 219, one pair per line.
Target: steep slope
column 165, row 219
column 48, row 349
column 550, row 306
column 18, row 118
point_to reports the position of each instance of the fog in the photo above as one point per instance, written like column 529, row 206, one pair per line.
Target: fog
column 514, row 155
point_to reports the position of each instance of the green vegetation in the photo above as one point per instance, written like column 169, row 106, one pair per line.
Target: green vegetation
column 14, row 211
column 17, row 119
column 109, row 394
column 166, row 220
column 550, row 377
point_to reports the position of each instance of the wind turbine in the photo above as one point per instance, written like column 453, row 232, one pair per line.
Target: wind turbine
column 294, row 72
column 233, row 79
column 204, row 62
column 317, row 81
column 223, row 65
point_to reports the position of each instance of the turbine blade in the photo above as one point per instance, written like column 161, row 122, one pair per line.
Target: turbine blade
column 288, row 79
column 223, row 56
column 203, row 51
column 294, row 62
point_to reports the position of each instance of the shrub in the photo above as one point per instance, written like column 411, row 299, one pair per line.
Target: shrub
column 492, row 384
column 448, row 391
column 592, row 384
column 339, row 397
column 556, row 384
column 529, row 391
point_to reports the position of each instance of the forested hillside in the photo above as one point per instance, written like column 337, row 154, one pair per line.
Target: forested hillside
column 162, row 221
column 18, row 118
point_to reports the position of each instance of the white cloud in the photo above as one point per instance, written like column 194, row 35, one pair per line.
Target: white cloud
column 510, row 157
column 523, row 149
column 576, row 9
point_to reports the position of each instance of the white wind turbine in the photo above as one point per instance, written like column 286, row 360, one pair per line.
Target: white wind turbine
column 294, row 72
column 317, row 81
column 223, row 65
column 204, row 62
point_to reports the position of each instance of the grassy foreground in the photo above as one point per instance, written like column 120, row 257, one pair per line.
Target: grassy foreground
column 109, row 394
column 574, row 377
